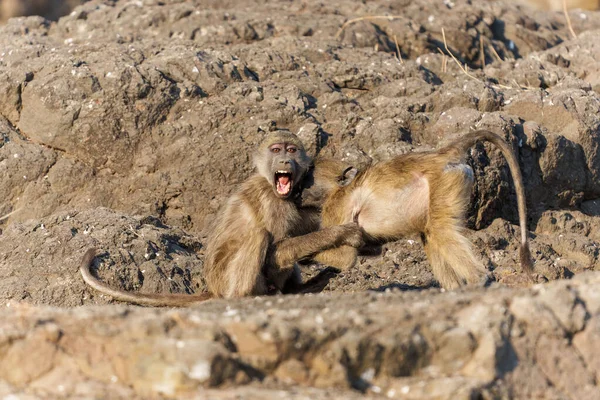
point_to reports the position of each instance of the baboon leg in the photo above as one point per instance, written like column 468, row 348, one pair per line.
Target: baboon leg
column 448, row 250
column 247, row 284
column 242, row 275
column 451, row 257
column 342, row 257
column 317, row 283
column 293, row 284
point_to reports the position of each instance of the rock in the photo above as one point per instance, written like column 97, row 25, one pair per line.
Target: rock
column 168, row 109
column 144, row 254
column 178, row 352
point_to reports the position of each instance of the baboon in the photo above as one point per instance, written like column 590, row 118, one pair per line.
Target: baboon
column 258, row 236
column 422, row 192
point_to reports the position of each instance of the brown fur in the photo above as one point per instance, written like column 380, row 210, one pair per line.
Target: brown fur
column 425, row 193
column 255, row 242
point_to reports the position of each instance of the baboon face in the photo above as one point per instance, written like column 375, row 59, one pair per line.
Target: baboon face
column 282, row 160
column 285, row 168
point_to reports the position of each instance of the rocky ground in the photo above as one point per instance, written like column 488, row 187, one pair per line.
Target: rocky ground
column 126, row 124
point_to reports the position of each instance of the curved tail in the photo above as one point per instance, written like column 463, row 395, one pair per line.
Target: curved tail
column 464, row 143
column 144, row 299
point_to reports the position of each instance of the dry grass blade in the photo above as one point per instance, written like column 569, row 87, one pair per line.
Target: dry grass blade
column 444, row 60
column 462, row 68
column 398, row 50
column 481, row 51
column 494, row 52
column 366, row 18
column 565, row 10
column 9, row 214
column 456, row 60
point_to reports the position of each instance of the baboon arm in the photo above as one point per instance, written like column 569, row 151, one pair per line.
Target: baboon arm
column 283, row 255
column 287, row 251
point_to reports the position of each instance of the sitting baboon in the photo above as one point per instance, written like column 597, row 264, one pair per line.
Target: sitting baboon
column 421, row 192
column 256, row 239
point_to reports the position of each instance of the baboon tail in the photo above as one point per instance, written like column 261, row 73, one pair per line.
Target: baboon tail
column 466, row 142
column 526, row 260
column 144, row 299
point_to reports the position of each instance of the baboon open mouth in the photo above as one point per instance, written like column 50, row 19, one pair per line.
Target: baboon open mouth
column 283, row 183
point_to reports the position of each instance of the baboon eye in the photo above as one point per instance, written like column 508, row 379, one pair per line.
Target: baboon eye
column 291, row 149
column 275, row 149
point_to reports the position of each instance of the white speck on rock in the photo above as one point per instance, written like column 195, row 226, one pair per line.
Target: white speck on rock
column 368, row 375
column 230, row 313
column 200, row 371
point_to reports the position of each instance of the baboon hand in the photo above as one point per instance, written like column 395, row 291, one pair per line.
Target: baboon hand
column 352, row 235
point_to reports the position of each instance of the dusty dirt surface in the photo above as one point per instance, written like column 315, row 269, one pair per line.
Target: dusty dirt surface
column 127, row 124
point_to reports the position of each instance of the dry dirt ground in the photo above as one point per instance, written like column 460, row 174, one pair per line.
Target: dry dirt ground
column 127, row 124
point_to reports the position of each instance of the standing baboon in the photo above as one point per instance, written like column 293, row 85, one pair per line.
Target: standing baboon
column 424, row 192
column 255, row 242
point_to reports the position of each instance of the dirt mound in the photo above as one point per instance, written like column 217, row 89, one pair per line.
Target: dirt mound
column 126, row 124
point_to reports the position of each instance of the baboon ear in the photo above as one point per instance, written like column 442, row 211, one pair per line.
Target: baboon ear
column 348, row 176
